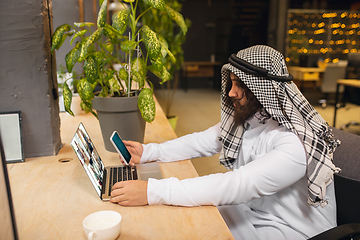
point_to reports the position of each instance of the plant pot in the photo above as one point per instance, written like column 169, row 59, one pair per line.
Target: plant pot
column 119, row 114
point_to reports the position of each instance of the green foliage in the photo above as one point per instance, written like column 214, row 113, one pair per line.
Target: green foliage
column 67, row 98
column 90, row 69
column 89, row 42
column 174, row 36
column 177, row 17
column 101, row 20
column 147, row 105
column 171, row 36
column 72, row 56
column 120, row 20
column 96, row 50
column 138, row 71
column 58, row 37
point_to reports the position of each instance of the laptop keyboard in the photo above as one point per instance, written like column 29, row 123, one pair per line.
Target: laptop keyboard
column 124, row 173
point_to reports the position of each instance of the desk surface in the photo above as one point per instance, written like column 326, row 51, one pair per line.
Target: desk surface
column 306, row 69
column 51, row 198
column 306, row 74
column 349, row 82
column 345, row 82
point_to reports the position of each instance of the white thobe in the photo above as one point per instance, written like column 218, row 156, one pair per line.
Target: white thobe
column 263, row 197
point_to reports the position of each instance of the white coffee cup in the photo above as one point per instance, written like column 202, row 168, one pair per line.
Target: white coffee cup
column 103, row 225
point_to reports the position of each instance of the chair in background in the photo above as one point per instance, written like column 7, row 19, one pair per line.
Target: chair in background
column 333, row 72
column 347, row 189
column 353, row 66
column 351, row 94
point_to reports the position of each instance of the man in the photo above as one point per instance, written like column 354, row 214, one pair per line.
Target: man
column 278, row 147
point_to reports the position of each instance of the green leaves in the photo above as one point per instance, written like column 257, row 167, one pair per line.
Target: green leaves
column 123, row 74
column 72, row 57
column 177, row 17
column 114, row 85
column 165, row 49
column 138, row 71
column 85, row 89
column 78, row 34
column 152, row 44
column 100, row 58
column 57, row 38
column 158, row 4
column 104, row 92
column 127, row 45
column 120, row 20
column 109, row 47
column 67, row 99
column 101, row 20
column 91, row 69
column 157, row 50
column 162, row 74
column 99, row 51
column 146, row 105
column 101, row 2
column 111, row 32
column 84, row 24
column 95, row 36
column 86, row 105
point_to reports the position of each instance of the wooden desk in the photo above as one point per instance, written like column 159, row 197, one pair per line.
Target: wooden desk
column 51, row 197
column 306, row 74
column 198, row 69
column 345, row 82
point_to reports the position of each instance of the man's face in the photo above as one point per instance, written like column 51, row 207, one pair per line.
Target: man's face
column 237, row 92
column 246, row 105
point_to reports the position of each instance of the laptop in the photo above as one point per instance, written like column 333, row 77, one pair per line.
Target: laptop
column 102, row 177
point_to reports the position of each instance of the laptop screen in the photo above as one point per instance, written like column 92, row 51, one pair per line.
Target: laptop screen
column 89, row 157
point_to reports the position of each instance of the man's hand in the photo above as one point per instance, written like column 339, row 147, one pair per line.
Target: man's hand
column 136, row 151
column 130, row 193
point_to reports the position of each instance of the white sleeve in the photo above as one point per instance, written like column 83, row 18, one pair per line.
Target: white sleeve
column 198, row 144
column 281, row 167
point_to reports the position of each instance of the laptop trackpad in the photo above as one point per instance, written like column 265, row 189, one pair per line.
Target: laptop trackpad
column 149, row 170
column 147, row 175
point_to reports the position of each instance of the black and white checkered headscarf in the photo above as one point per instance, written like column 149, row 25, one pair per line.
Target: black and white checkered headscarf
column 286, row 104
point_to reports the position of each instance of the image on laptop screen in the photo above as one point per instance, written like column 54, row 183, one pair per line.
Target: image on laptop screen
column 88, row 157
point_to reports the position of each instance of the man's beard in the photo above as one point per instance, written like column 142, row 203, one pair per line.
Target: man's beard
column 242, row 113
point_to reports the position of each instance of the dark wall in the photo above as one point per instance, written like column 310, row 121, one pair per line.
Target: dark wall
column 223, row 27
column 211, row 24
column 26, row 79
column 201, row 37
column 220, row 28
column 323, row 4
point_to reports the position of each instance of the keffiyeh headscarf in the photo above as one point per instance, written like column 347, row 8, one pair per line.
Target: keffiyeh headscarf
column 286, row 105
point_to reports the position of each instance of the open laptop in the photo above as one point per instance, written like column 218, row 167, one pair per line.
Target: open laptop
column 103, row 178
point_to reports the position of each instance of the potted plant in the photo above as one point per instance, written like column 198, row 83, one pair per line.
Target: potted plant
column 160, row 22
column 95, row 50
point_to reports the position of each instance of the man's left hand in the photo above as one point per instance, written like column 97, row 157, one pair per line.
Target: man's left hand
column 130, row 193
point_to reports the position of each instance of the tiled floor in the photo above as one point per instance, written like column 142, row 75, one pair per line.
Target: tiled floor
column 199, row 109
